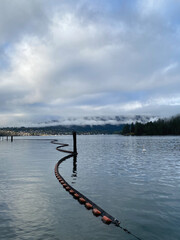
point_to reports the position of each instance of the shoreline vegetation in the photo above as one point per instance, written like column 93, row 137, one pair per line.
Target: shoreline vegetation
column 62, row 130
column 160, row 127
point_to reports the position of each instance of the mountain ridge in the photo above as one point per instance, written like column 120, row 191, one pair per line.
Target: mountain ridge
column 97, row 120
column 91, row 125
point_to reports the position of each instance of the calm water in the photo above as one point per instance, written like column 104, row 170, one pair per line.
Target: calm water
column 141, row 189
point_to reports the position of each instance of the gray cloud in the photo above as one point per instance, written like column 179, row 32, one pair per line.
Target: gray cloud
column 21, row 17
column 87, row 58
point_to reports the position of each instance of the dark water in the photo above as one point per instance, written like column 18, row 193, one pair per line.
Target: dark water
column 141, row 189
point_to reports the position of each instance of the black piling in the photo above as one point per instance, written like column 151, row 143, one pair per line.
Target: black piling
column 11, row 138
column 74, row 143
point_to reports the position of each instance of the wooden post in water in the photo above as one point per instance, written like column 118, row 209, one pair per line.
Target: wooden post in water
column 11, row 138
column 74, row 143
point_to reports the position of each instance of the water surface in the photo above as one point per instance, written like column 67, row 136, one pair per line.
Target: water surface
column 141, row 189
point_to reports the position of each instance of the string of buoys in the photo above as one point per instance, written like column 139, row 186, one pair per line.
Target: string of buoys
column 96, row 210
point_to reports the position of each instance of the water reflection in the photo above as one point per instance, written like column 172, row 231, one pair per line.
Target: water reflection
column 142, row 190
column 74, row 171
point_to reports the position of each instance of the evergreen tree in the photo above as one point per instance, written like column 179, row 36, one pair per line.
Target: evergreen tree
column 126, row 129
column 159, row 127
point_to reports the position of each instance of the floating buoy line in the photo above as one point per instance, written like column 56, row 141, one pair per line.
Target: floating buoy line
column 96, row 210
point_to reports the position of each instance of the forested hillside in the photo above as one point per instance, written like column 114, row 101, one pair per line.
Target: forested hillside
column 55, row 130
column 161, row 127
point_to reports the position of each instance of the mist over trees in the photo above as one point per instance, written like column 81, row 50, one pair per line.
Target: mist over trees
column 160, row 127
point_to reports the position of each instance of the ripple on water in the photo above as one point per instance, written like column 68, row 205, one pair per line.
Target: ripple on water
column 140, row 189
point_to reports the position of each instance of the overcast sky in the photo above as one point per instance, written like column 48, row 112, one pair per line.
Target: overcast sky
column 78, row 58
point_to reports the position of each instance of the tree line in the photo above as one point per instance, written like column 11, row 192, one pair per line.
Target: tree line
column 160, row 127
column 59, row 129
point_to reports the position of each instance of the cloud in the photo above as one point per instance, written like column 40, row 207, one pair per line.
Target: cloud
column 19, row 17
column 87, row 58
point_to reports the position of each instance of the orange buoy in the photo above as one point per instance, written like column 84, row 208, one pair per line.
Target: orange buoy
column 96, row 212
column 71, row 191
column 76, row 195
column 106, row 220
column 82, row 200
column 68, row 188
column 64, row 185
column 61, row 181
column 88, row 205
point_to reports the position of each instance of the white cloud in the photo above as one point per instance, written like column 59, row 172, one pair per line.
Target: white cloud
column 169, row 68
column 59, row 57
column 167, row 101
column 152, row 6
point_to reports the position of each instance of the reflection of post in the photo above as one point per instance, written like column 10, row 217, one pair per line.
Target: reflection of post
column 74, row 175
column 74, row 166
column 74, row 143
